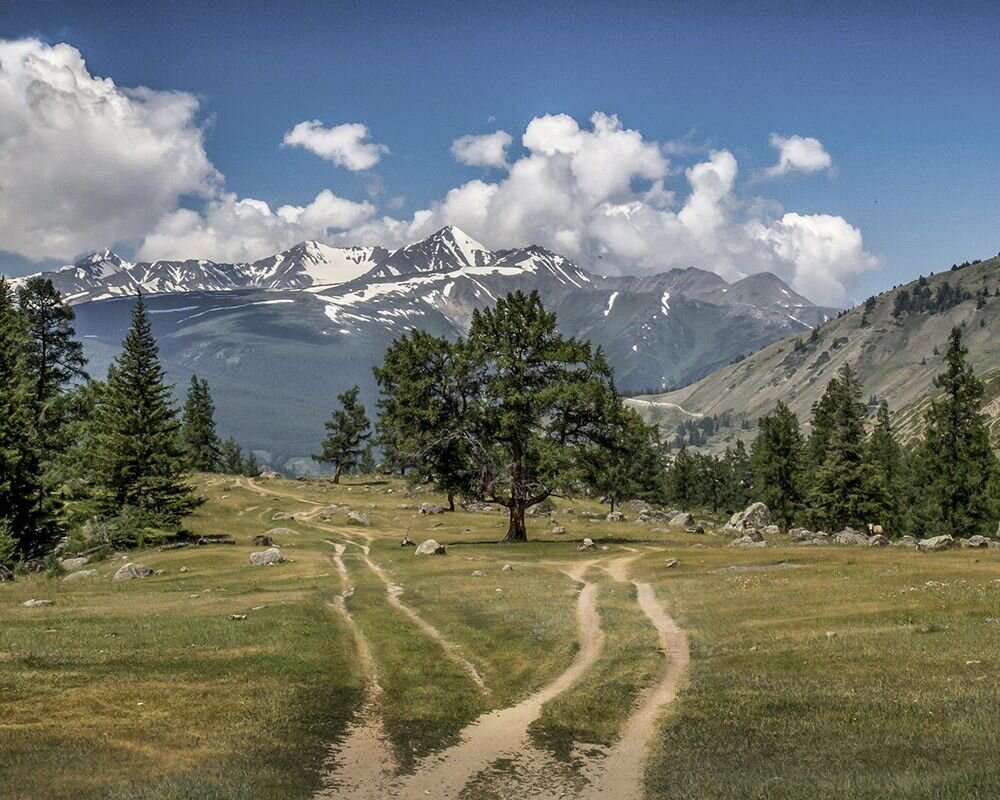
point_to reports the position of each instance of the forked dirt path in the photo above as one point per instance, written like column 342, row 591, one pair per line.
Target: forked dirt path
column 503, row 733
column 360, row 765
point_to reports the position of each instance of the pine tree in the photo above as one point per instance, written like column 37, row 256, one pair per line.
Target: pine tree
column 682, row 480
column 201, row 442
column 839, row 491
column 139, row 463
column 347, row 432
column 776, row 462
column 231, row 457
column 884, row 458
column 738, row 478
column 17, row 497
column 628, row 465
column 956, row 460
column 55, row 360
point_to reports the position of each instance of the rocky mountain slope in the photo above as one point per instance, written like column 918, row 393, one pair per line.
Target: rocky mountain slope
column 896, row 342
column 280, row 337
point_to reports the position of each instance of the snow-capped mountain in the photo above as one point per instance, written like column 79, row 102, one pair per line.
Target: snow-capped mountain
column 280, row 337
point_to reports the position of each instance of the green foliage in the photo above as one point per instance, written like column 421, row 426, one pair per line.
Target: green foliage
column 955, row 464
column 776, row 463
column 631, row 468
column 348, row 430
column 201, row 442
column 8, row 544
column 884, row 458
column 137, row 457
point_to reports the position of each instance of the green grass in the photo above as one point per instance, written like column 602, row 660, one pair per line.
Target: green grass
column 902, row 699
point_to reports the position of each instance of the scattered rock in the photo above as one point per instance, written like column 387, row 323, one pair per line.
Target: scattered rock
column 477, row 573
column 407, row 542
column 431, row 508
column 671, row 563
column 131, row 572
column 405, row 506
column 83, row 573
column 557, row 529
column 183, row 569
column 615, row 516
column 281, row 532
column 976, row 542
column 160, row 572
column 430, row 548
column 905, row 541
column 771, row 530
column 283, row 515
column 936, row 543
column 698, row 530
column 73, row 563
column 203, row 540
column 236, row 617
column 358, row 518
column 756, row 515
column 753, row 533
column 262, row 540
column 638, row 506
column 268, row 475
column 34, row 567
column 850, row 537
column 746, row 541
column 33, row 603
column 6, row 574
column 266, row 558
column 649, row 516
column 506, row 568
column 878, row 540
column 683, row 520
column 586, row 545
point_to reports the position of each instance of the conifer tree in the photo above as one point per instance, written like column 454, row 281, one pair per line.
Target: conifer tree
column 738, row 477
column 201, row 442
column 139, row 463
column 347, row 432
column 776, row 462
column 839, row 491
column 231, row 457
column 956, row 460
column 682, row 483
column 17, row 498
column 628, row 464
column 884, row 458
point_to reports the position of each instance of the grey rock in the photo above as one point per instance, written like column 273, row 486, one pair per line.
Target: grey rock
column 976, row 542
column 430, row 548
column 281, row 532
column 747, row 541
column 905, row 541
column 359, row 518
column 936, row 543
column 682, row 520
column 266, row 558
column 283, row 515
column 771, row 530
column 262, row 540
column 586, row 546
column 557, row 529
column 671, row 563
column 73, row 563
column 506, row 568
column 183, row 569
column 431, row 508
column 477, row 573
column 131, row 572
column 33, row 603
column 851, row 538
column 756, row 515
column 236, row 617
column 638, row 506
column 878, row 540
column 615, row 516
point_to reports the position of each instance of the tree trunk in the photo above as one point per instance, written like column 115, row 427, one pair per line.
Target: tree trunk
column 516, row 531
column 612, row 505
column 451, row 501
column 336, row 474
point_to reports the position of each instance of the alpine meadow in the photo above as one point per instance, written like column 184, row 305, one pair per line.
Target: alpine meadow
column 499, row 404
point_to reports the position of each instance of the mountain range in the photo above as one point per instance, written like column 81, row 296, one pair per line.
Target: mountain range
column 896, row 342
column 279, row 338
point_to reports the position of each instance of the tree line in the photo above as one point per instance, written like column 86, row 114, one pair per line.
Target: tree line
column 113, row 455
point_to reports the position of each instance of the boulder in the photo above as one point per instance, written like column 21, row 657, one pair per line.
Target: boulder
column 905, row 541
column 671, row 563
column 747, row 541
column 33, row 603
column 615, row 516
column 878, row 540
column 6, row 574
column 936, row 543
column 682, row 520
column 281, row 532
column 283, row 515
column 131, row 572
column 653, row 516
column 82, row 573
column 756, row 515
column 557, row 529
column 586, row 546
column 266, row 558
column 506, row 568
column 358, row 518
column 262, row 540
column 772, row 530
column 431, row 508
column 430, row 548
column 976, row 542
column 73, row 563
column 183, row 569
column 698, row 530
column 851, row 538
column 268, row 475
column 638, row 506
column 754, row 534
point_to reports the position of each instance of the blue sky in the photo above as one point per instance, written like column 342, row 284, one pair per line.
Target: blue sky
column 904, row 98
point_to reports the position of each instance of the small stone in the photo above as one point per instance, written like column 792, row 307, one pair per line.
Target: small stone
column 506, row 568
column 615, row 516
column 183, row 569
column 430, row 548
column 558, row 529
column 586, row 546
column 131, row 572
column 83, row 573
column 358, row 518
column 237, row 617
column 671, row 563
column 431, row 508
column 73, row 563
column 33, row 603
column 478, row 573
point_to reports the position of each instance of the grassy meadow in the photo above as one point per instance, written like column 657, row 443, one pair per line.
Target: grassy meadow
column 815, row 672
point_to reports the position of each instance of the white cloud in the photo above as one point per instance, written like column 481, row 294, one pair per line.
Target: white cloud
column 84, row 162
column 343, row 145
column 487, row 150
column 798, row 154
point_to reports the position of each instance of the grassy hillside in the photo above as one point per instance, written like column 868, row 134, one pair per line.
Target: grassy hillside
column 896, row 357
column 815, row 672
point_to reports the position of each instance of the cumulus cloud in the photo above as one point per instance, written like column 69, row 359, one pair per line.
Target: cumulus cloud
column 83, row 161
column 344, row 145
column 798, row 154
column 487, row 150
